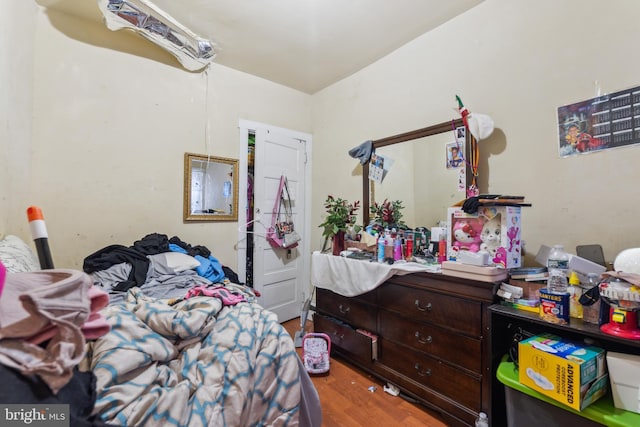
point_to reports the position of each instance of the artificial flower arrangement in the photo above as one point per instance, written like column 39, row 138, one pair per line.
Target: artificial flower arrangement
column 388, row 214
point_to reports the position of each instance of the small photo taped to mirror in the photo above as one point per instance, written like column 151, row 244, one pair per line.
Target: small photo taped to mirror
column 455, row 155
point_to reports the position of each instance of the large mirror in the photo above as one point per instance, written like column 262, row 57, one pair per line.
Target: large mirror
column 421, row 174
column 210, row 188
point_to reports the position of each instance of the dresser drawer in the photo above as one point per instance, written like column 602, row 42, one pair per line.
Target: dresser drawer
column 370, row 297
column 457, row 349
column 351, row 310
column 446, row 311
column 344, row 338
column 433, row 374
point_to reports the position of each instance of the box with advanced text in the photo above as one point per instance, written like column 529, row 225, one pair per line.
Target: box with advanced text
column 571, row 373
column 493, row 229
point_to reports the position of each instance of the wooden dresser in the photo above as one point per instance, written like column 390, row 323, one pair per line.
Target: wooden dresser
column 432, row 339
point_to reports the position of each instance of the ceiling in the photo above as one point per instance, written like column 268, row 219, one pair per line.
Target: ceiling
column 303, row 44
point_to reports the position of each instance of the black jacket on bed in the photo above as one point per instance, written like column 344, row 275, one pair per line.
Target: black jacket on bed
column 116, row 254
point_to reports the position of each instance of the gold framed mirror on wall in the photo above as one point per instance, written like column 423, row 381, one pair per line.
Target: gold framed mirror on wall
column 210, row 188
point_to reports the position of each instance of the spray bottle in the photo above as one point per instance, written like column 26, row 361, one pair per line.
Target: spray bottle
column 442, row 248
column 409, row 246
column 381, row 245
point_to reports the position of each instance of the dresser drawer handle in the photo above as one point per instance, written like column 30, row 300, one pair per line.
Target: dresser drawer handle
column 426, row 340
column 344, row 310
column 338, row 337
column 425, row 308
column 422, row 373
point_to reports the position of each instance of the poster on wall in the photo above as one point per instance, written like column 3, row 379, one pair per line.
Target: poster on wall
column 600, row 123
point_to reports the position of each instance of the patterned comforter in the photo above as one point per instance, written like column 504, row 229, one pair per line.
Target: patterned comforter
column 195, row 363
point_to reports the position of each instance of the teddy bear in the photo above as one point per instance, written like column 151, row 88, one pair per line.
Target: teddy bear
column 490, row 235
column 466, row 234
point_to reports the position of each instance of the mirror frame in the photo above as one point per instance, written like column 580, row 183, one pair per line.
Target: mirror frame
column 440, row 128
column 188, row 173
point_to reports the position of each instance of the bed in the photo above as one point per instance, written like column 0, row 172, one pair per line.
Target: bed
column 183, row 350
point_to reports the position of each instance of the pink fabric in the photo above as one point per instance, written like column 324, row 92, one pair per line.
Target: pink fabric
column 3, row 273
column 227, row 297
column 58, row 297
column 94, row 327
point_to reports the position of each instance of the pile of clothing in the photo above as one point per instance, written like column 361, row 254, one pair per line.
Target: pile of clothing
column 46, row 318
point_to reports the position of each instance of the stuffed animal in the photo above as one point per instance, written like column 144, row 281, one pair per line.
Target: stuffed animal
column 490, row 235
column 466, row 234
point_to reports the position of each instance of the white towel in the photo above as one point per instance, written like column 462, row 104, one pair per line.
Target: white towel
column 351, row 277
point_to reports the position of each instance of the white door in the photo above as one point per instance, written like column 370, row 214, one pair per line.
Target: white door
column 281, row 276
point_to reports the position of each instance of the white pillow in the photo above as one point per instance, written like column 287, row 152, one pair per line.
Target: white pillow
column 173, row 262
column 17, row 256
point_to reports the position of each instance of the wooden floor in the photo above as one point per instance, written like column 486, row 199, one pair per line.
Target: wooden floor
column 347, row 401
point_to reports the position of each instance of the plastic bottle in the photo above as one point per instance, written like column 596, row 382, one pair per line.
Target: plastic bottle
column 442, row 248
column 575, row 292
column 482, row 420
column 558, row 258
column 409, row 245
column 397, row 248
column 557, row 264
column 381, row 245
column 591, row 311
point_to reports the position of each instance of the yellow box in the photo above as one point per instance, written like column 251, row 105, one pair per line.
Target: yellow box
column 571, row 373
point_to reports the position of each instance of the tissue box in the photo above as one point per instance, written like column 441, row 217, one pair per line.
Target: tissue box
column 568, row 372
column 624, row 373
column 495, row 229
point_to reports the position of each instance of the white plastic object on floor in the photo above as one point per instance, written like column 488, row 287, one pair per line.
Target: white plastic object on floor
column 391, row 389
column 482, row 420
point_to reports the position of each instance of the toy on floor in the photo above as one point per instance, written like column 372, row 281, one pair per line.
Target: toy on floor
column 316, row 352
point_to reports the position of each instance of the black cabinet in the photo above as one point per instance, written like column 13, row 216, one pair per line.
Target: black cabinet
column 508, row 324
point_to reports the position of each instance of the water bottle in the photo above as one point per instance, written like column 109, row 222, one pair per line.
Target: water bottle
column 482, row 420
column 558, row 258
column 558, row 266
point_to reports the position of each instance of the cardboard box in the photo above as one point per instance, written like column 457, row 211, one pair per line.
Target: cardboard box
column 571, row 373
column 530, row 289
column 495, row 229
column 624, row 372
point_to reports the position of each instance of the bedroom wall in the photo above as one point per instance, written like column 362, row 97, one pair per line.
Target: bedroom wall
column 113, row 116
column 16, row 44
column 517, row 61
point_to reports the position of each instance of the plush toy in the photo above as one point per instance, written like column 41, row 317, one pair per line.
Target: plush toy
column 466, row 234
column 490, row 235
